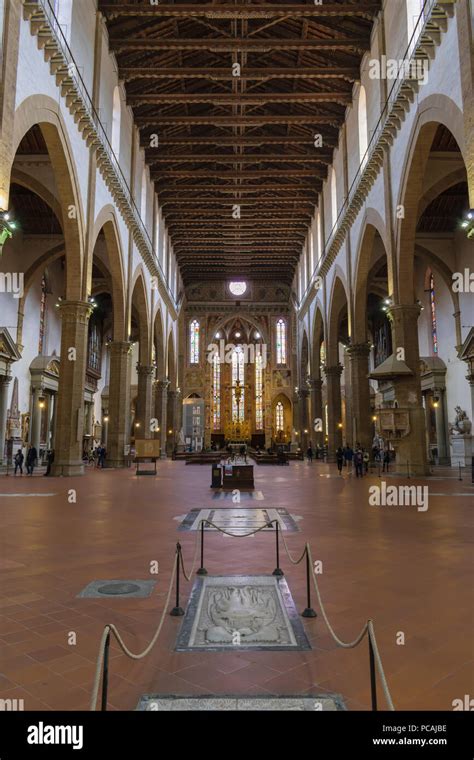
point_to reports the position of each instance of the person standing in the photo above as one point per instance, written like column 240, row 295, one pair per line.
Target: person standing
column 31, row 459
column 366, row 458
column 386, row 460
column 358, row 462
column 49, row 462
column 19, row 461
column 309, row 452
column 348, row 457
column 340, row 459
column 102, row 455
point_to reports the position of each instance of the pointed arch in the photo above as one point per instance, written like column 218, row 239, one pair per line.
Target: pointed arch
column 338, row 302
column 139, row 301
column 373, row 226
column 159, row 343
column 318, row 338
column 43, row 111
column 106, row 221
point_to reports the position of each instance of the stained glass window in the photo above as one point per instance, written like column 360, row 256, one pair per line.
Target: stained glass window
column 434, row 330
column 42, row 325
column 238, row 403
column 194, row 342
column 281, row 342
column 259, row 391
column 216, row 392
column 279, row 417
column 94, row 355
column 322, row 354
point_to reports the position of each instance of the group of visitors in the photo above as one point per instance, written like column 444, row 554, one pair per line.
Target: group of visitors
column 315, row 452
column 358, row 459
column 31, row 460
column 95, row 456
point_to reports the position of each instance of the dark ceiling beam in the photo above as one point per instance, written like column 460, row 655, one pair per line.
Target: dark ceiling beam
column 224, row 99
column 238, row 121
column 363, row 9
column 237, row 44
column 242, row 175
column 346, row 73
column 241, row 141
column 236, row 158
column 174, row 188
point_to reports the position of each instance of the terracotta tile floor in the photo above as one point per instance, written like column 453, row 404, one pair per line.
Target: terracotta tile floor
column 410, row 571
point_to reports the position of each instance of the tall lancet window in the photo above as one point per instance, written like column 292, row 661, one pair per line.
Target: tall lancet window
column 194, row 342
column 259, row 391
column 238, row 382
column 216, row 392
column 279, row 418
column 281, row 342
column 42, row 319
column 434, row 329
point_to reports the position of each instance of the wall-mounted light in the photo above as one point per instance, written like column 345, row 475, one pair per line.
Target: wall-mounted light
column 217, row 335
column 106, row 418
column 41, row 403
column 374, row 418
column 339, row 424
column 257, row 335
column 305, row 431
column 237, row 335
column 137, row 424
column 169, row 432
column 468, row 223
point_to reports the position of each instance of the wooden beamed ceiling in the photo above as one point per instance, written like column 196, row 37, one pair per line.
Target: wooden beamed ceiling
column 236, row 93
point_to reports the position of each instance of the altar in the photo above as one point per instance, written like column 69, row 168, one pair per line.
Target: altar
column 237, row 476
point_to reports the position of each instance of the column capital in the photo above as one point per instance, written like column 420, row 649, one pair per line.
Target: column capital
column 145, row 370
column 5, row 380
column 75, row 311
column 400, row 311
column 316, row 383
column 163, row 384
column 120, row 347
column 303, row 392
column 356, row 350
column 334, row 371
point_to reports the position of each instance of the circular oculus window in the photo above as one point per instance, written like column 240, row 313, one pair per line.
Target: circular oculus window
column 237, row 288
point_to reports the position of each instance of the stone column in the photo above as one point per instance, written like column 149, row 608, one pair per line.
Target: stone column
column 161, row 412
column 304, row 418
column 4, row 383
column 444, row 456
column 426, row 406
column 52, row 418
column 144, row 398
column 118, row 433
column 70, row 412
column 333, row 380
column 170, row 421
column 411, row 448
column 360, row 394
column 36, row 413
column 317, row 411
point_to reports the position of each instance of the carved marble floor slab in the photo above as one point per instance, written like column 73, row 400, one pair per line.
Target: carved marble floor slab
column 167, row 703
column 241, row 613
column 239, row 520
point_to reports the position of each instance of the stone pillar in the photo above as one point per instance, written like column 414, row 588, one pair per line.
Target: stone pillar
column 360, row 395
column 36, row 413
column 70, row 412
column 119, row 403
column 317, row 411
column 144, row 398
column 161, row 412
column 444, row 456
column 333, row 380
column 171, row 421
column 52, row 418
column 304, row 418
column 411, row 448
column 4, row 383
column 426, row 406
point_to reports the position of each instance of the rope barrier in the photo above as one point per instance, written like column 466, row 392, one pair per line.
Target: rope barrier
column 110, row 628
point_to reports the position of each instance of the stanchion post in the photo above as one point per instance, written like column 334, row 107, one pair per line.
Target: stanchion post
column 105, row 673
column 277, row 571
column 373, row 681
column 202, row 570
column 460, row 472
column 177, row 611
column 308, row 612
